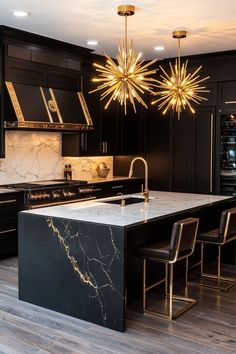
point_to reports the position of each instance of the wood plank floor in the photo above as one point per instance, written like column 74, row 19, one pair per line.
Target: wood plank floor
column 209, row 327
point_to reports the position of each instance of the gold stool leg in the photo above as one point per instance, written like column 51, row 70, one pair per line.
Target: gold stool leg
column 218, row 266
column 171, row 292
column 144, row 285
column 186, row 271
column 202, row 257
column 166, row 279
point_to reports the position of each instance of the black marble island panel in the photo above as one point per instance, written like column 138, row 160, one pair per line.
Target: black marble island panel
column 73, row 267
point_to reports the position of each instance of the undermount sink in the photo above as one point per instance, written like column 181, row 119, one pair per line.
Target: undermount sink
column 128, row 201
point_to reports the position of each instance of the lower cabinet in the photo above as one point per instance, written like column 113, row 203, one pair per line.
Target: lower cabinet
column 10, row 205
column 124, row 186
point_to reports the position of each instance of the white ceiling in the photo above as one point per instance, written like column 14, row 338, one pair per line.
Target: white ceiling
column 210, row 24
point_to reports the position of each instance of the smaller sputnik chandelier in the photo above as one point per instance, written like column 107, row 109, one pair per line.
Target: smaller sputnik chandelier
column 181, row 89
column 126, row 78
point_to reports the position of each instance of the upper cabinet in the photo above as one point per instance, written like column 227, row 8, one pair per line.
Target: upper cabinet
column 158, row 145
column 227, row 94
column 193, row 151
column 42, row 67
column 211, row 95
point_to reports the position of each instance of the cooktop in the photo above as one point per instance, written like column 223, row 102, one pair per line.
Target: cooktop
column 45, row 183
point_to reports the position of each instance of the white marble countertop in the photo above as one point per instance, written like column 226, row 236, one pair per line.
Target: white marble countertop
column 160, row 204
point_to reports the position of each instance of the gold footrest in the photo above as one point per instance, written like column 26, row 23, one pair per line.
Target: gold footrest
column 190, row 303
column 229, row 282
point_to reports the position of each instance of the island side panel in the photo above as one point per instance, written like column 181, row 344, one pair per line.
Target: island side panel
column 73, row 267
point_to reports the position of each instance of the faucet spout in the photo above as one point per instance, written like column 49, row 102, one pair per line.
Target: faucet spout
column 146, row 191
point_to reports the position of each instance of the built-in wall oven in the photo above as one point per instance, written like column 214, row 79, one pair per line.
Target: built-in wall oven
column 228, row 153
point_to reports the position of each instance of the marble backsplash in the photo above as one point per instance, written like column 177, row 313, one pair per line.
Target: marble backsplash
column 32, row 156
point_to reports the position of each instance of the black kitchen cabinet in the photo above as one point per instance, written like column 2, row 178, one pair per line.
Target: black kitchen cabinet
column 227, row 94
column 181, row 152
column 104, row 139
column 193, row 141
column 10, row 205
column 211, row 96
column 132, row 130
column 113, row 188
column 2, row 133
column 204, row 142
column 158, row 145
column 110, row 132
column 36, row 65
column 90, row 141
column 23, row 72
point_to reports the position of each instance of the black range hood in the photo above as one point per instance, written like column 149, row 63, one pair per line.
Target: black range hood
column 44, row 108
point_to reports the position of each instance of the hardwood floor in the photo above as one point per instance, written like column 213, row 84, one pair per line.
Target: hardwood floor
column 209, row 327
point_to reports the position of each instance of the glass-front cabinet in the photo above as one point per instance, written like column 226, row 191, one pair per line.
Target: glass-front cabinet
column 228, row 154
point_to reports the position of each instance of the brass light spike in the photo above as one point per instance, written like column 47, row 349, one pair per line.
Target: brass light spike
column 179, row 89
column 125, row 78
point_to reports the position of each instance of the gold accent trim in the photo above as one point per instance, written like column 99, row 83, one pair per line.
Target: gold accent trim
column 45, row 103
column 85, row 108
column 15, row 102
column 56, row 105
column 40, row 125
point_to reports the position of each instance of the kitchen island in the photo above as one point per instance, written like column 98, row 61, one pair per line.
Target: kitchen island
column 75, row 258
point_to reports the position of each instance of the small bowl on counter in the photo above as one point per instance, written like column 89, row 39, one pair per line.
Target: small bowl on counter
column 103, row 172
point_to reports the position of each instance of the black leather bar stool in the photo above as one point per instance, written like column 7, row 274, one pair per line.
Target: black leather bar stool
column 179, row 246
column 218, row 237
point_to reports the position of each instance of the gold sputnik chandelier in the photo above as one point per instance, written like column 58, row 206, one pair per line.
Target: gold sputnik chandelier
column 126, row 78
column 181, row 89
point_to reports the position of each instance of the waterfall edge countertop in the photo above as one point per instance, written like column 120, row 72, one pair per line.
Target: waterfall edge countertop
column 161, row 204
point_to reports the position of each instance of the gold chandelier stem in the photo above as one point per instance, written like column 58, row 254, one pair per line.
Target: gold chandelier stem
column 126, row 43
column 125, row 78
column 178, row 59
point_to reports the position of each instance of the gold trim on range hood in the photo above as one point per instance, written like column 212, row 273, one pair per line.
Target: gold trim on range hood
column 51, row 107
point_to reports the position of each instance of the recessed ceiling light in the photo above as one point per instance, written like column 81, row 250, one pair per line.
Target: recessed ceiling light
column 92, row 42
column 19, row 13
column 159, row 48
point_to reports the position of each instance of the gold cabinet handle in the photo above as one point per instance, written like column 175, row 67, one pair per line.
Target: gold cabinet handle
column 211, row 153
column 5, row 231
column 8, row 201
